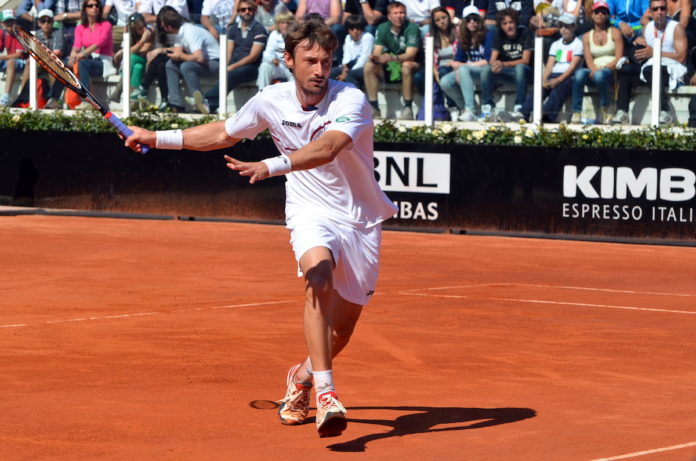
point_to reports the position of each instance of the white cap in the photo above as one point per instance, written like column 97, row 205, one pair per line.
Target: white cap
column 45, row 12
column 567, row 18
column 469, row 10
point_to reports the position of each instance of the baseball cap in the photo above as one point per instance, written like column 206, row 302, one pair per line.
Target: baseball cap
column 470, row 10
column 600, row 5
column 567, row 18
column 45, row 12
column 8, row 15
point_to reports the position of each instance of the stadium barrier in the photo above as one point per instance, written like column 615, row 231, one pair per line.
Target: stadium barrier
column 610, row 193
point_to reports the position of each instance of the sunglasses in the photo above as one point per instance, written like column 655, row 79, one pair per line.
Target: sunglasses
column 658, row 8
column 92, row 5
column 473, row 18
column 601, row 12
column 45, row 20
column 565, row 26
column 245, row 8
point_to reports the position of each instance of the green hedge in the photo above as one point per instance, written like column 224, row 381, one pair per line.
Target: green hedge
column 647, row 138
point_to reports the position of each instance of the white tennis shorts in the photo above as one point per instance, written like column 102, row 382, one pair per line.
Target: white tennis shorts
column 355, row 251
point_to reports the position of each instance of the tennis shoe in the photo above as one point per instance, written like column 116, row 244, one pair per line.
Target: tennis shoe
column 331, row 415
column 294, row 407
column 200, row 103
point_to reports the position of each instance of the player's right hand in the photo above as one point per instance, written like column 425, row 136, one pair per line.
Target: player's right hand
column 141, row 136
column 256, row 171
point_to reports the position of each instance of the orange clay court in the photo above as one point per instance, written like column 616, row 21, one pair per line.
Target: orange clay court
column 170, row 340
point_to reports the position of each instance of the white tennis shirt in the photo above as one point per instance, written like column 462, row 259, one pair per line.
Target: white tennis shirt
column 344, row 189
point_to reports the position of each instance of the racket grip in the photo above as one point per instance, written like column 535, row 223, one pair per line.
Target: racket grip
column 124, row 130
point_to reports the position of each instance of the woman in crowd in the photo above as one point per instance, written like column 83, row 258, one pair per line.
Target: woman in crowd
column 473, row 53
column 93, row 46
column 142, row 40
column 602, row 48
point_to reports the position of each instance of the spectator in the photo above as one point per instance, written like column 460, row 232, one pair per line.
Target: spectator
column 331, row 11
column 356, row 51
column 245, row 43
column 268, row 10
column 124, row 9
column 157, row 59
column 93, row 46
column 418, row 11
column 67, row 14
column 456, row 7
column 142, row 40
column 565, row 56
column 396, row 51
column 626, row 15
column 603, row 47
column 680, row 11
column 196, row 54
column 53, row 39
column 473, row 54
column 510, row 61
column 27, row 9
column 374, row 11
column 150, row 8
column 14, row 58
column 674, row 45
column 273, row 66
column 444, row 43
column 216, row 15
column 524, row 8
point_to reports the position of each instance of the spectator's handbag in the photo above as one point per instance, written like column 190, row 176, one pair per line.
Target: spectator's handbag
column 71, row 98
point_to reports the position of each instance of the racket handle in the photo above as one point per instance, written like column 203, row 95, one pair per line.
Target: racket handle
column 124, row 130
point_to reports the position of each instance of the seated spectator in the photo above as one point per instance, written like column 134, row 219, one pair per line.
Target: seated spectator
column 142, row 40
column 67, row 14
column 27, row 10
column 374, row 11
column 195, row 55
column 157, row 59
column 150, row 8
column 673, row 60
column 603, row 47
column 456, row 7
column 267, row 11
column 124, row 10
column 524, row 8
column 216, row 15
column 510, row 61
column 14, row 58
column 565, row 56
column 245, row 43
column 93, row 46
column 473, row 53
column 626, row 15
column 273, row 66
column 680, row 11
column 419, row 11
column 444, row 40
column 331, row 11
column 53, row 39
column 394, row 58
column 356, row 51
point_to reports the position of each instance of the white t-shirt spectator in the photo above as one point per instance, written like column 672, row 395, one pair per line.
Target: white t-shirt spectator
column 418, row 10
column 153, row 6
column 345, row 189
column 219, row 11
column 193, row 38
column 564, row 54
column 124, row 8
column 358, row 51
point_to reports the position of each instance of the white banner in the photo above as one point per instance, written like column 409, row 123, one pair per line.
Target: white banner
column 419, row 172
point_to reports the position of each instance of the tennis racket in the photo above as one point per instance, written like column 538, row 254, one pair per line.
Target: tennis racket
column 52, row 63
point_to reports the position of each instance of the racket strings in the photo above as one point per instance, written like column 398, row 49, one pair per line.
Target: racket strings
column 45, row 57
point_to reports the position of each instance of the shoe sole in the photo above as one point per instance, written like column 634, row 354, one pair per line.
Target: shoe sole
column 333, row 425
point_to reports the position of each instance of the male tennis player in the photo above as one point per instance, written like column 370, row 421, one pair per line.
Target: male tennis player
column 334, row 207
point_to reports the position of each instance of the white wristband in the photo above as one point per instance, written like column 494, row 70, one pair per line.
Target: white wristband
column 278, row 165
column 170, row 139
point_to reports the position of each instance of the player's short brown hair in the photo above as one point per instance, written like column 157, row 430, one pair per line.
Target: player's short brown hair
column 313, row 30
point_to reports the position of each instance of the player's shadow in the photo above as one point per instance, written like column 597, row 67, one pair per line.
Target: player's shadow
column 423, row 420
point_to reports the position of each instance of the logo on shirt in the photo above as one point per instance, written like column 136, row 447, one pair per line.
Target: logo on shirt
column 292, row 124
column 342, row 119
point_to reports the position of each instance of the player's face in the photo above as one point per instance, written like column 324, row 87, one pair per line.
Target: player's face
column 397, row 16
column 311, row 68
column 509, row 26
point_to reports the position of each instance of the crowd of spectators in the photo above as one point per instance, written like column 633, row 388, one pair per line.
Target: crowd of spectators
column 603, row 44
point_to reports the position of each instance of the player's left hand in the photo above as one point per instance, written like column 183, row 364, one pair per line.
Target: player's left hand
column 256, row 171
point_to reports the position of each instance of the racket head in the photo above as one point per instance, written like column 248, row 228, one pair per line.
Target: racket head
column 47, row 59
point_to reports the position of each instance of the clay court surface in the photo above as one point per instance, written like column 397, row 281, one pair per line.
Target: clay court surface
column 170, row 340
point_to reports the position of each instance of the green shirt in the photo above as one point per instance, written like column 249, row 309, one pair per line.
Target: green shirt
column 409, row 36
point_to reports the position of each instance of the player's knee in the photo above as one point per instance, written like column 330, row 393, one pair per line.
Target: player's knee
column 318, row 282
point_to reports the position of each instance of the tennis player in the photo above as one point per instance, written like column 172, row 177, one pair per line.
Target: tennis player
column 323, row 130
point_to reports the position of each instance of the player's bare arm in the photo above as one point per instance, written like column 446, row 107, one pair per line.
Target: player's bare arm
column 318, row 152
column 210, row 136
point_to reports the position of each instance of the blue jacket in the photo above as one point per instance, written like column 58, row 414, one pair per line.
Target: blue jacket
column 628, row 11
column 26, row 6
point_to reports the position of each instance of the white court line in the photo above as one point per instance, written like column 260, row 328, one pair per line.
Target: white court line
column 648, row 452
column 563, row 303
column 140, row 314
column 563, row 287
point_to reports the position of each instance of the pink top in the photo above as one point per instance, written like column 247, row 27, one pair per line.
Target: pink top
column 84, row 37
